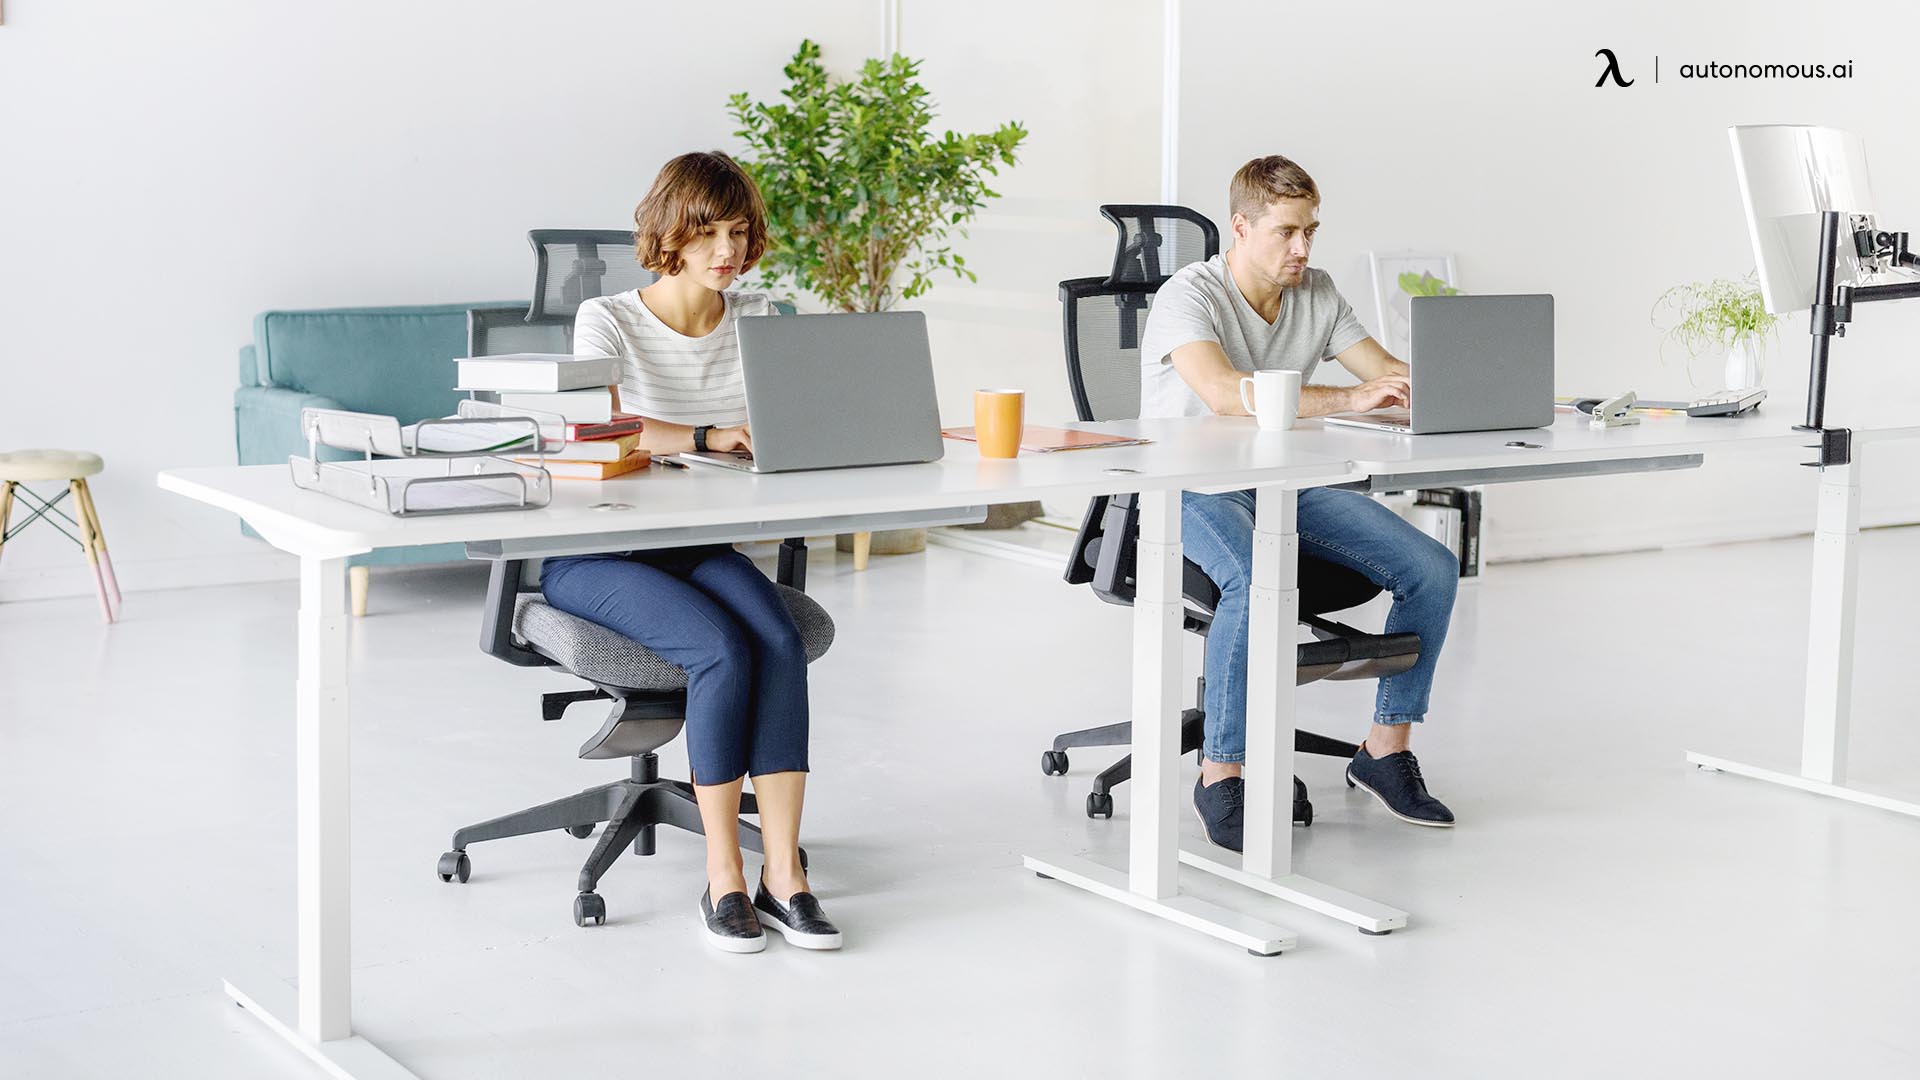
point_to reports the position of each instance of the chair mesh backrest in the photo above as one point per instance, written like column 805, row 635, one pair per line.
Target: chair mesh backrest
column 1155, row 241
column 572, row 265
column 1104, row 317
column 498, row 331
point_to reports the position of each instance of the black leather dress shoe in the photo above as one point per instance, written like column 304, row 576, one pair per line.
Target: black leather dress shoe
column 731, row 924
column 1395, row 780
column 799, row 920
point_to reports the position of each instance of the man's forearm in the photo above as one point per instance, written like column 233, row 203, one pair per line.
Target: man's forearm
column 1321, row 400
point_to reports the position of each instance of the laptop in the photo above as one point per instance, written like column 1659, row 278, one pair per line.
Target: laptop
column 1479, row 363
column 835, row 392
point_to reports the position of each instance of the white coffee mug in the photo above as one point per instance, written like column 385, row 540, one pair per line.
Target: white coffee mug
column 1275, row 401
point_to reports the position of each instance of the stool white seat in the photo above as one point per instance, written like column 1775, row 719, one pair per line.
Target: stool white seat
column 17, row 467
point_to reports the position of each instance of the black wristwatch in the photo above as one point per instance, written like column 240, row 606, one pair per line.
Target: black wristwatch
column 700, row 437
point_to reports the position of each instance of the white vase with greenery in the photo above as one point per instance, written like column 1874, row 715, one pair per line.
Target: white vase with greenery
column 1727, row 320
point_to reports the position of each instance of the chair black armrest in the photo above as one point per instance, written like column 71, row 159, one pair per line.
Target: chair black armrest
column 496, row 616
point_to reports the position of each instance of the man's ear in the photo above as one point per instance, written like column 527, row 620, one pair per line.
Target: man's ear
column 1239, row 226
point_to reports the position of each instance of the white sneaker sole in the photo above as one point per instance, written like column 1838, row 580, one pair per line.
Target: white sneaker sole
column 819, row 942
column 1361, row 784
column 733, row 944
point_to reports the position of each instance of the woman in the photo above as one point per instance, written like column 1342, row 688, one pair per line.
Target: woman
column 707, row 609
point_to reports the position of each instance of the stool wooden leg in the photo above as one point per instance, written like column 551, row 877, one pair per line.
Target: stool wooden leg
column 87, row 545
column 6, row 511
column 357, row 586
column 100, row 542
column 862, row 547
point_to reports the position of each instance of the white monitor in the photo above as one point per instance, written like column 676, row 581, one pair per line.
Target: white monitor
column 1789, row 175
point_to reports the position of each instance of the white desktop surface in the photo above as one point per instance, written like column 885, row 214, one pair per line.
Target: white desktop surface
column 1190, row 453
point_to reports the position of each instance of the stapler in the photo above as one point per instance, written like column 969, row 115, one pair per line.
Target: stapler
column 1615, row 412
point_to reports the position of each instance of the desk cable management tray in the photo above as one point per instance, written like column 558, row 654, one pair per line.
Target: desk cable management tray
column 443, row 466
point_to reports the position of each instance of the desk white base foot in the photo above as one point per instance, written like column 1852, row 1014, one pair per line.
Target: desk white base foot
column 351, row 1058
column 1249, row 933
column 1315, row 896
column 1818, row 787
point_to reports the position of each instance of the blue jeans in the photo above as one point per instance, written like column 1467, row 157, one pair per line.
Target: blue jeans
column 712, row 612
column 1341, row 527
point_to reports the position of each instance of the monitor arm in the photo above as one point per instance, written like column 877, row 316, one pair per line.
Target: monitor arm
column 1833, row 310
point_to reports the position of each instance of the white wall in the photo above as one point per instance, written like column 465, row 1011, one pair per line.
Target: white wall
column 1476, row 128
column 166, row 171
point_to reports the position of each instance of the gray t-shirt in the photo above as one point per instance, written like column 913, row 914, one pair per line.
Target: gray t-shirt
column 1202, row 303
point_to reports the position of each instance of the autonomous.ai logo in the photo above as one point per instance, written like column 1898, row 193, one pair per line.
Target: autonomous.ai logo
column 1612, row 70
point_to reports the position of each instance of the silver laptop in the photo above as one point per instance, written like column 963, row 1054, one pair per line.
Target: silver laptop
column 1479, row 363
column 835, row 391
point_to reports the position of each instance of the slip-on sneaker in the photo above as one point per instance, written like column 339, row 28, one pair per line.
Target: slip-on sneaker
column 799, row 920
column 731, row 924
column 1395, row 780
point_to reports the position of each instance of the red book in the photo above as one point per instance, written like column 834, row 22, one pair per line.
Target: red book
column 621, row 424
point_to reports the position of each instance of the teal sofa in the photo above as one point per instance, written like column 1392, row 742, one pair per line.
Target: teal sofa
column 393, row 360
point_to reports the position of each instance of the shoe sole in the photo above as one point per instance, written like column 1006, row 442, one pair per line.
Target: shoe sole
column 1361, row 784
column 818, row 942
column 733, row 944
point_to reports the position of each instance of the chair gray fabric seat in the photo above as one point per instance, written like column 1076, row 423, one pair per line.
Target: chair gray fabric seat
column 603, row 656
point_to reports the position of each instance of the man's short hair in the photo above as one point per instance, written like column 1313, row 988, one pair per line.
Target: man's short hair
column 694, row 191
column 1266, row 180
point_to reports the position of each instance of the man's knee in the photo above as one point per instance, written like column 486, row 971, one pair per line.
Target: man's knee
column 1433, row 569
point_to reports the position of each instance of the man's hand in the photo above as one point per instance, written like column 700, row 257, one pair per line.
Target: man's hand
column 730, row 440
column 1380, row 393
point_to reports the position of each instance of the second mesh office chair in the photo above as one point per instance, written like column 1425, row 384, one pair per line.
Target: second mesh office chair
column 1103, row 320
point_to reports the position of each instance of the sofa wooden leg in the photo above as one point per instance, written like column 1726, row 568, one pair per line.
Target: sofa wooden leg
column 357, row 587
column 862, row 547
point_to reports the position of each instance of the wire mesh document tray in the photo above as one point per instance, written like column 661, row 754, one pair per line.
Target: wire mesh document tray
column 446, row 466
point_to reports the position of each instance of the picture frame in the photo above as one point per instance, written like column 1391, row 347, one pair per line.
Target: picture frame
column 1393, row 306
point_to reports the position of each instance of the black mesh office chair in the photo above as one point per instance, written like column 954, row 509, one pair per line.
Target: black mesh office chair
column 1103, row 320
column 649, row 698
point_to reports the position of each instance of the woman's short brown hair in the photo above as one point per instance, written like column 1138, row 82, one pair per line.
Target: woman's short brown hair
column 694, row 191
column 1266, row 180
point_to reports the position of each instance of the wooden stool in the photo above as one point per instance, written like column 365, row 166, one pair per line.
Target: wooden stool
column 73, row 466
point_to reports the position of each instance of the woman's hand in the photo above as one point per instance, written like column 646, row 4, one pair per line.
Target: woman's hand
column 729, row 440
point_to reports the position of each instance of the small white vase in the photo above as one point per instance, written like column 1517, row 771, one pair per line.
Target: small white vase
column 1746, row 365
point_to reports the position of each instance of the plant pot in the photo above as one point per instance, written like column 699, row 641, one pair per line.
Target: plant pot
column 1746, row 363
column 888, row 541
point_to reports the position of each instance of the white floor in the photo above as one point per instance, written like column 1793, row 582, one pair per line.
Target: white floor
column 1602, row 910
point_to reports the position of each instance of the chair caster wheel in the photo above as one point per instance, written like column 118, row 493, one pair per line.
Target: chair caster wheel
column 1054, row 762
column 589, row 906
column 1099, row 805
column 578, row 832
column 455, row 864
column 1303, row 815
column 1374, row 933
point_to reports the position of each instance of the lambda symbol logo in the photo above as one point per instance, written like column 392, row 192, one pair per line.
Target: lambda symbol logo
column 1612, row 70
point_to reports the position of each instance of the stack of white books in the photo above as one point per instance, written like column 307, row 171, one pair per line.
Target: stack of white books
column 575, row 389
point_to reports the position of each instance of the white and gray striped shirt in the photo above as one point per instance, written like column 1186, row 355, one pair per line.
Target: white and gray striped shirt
column 665, row 374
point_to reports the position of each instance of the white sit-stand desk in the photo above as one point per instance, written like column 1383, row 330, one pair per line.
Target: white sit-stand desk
column 669, row 508
column 1572, row 448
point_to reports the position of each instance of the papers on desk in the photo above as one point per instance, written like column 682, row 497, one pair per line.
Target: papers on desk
column 1046, row 440
column 467, row 438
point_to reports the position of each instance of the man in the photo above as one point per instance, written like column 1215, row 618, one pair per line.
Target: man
column 1257, row 307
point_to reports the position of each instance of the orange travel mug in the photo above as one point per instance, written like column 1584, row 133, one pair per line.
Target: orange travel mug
column 999, row 418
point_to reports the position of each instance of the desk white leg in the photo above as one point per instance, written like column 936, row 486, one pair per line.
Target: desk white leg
column 1151, row 881
column 320, row 1021
column 1154, row 841
column 1273, row 612
column 1830, row 626
column 1836, row 556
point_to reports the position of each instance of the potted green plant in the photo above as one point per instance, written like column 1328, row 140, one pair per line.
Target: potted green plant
column 1727, row 318
column 862, row 196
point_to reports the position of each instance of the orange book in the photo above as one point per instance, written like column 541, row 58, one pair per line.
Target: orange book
column 561, row 469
